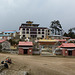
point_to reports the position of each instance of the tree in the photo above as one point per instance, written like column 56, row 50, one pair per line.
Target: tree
column 71, row 33
column 65, row 34
column 13, row 42
column 56, row 26
column 70, row 30
column 0, row 47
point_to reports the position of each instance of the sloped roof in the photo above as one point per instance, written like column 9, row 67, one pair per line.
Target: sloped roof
column 61, row 40
column 66, row 45
column 2, row 41
column 1, row 35
column 72, row 39
column 25, row 43
column 9, row 31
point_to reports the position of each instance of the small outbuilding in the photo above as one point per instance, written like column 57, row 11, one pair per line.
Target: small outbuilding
column 68, row 49
column 25, row 47
column 5, row 44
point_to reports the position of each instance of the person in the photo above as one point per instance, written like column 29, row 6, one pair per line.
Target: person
column 2, row 62
column 8, row 60
column 5, row 65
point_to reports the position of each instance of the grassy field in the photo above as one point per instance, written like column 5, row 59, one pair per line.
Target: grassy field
column 38, row 65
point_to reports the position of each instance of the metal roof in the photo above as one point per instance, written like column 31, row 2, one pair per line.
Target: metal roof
column 1, row 35
column 2, row 41
column 9, row 31
column 66, row 45
column 22, row 43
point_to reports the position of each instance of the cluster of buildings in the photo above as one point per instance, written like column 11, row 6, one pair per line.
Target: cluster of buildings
column 8, row 34
column 45, row 41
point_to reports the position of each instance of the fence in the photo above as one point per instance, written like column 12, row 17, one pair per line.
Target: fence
column 10, row 51
column 36, row 52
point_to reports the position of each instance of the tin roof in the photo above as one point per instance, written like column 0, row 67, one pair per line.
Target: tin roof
column 25, row 43
column 1, row 35
column 66, row 45
column 61, row 40
column 72, row 39
column 9, row 31
column 2, row 41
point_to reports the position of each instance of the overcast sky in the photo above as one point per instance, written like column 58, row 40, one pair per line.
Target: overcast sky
column 15, row 12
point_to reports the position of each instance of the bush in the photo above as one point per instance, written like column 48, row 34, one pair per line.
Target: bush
column 13, row 42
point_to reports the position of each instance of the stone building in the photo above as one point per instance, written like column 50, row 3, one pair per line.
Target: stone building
column 31, row 30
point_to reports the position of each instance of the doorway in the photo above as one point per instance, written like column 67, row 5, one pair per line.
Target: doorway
column 25, row 51
column 70, row 53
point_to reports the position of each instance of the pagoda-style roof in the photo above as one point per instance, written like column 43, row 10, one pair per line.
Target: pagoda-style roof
column 28, row 24
column 47, row 42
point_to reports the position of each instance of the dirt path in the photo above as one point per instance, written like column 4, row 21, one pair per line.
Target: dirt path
column 37, row 65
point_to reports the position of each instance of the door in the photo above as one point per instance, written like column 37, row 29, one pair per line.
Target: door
column 70, row 53
column 25, row 51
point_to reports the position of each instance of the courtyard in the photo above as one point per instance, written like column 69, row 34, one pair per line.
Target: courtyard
column 39, row 65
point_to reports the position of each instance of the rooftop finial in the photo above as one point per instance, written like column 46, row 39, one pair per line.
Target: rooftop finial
column 29, row 22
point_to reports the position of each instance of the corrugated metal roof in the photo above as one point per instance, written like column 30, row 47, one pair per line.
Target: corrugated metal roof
column 1, row 35
column 25, row 43
column 2, row 41
column 9, row 31
column 61, row 40
column 67, row 45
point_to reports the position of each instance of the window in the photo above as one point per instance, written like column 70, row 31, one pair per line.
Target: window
column 42, row 36
column 23, row 35
column 48, row 33
column 42, row 32
column 23, row 28
column 8, row 33
column 38, row 32
column 48, row 30
column 27, row 29
column 38, row 29
column 42, row 29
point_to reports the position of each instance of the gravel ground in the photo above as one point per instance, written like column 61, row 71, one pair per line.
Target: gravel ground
column 38, row 65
